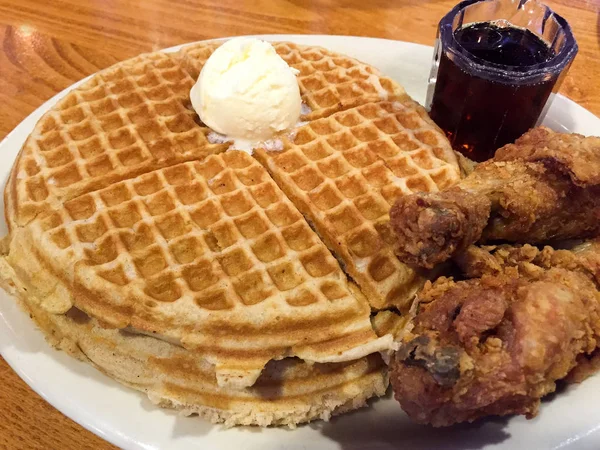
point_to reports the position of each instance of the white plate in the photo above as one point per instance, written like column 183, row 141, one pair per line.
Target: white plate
column 127, row 419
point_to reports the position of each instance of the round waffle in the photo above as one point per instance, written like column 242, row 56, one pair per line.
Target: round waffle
column 193, row 268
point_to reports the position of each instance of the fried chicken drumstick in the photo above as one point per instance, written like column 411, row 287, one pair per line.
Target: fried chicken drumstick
column 545, row 186
column 496, row 344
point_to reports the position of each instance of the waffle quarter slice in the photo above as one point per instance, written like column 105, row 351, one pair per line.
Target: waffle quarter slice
column 126, row 120
column 345, row 171
column 328, row 81
column 209, row 255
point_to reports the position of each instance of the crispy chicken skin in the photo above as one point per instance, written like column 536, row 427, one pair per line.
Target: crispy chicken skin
column 573, row 154
column 545, row 186
column 496, row 344
column 476, row 261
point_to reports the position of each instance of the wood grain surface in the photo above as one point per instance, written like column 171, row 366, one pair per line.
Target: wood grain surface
column 48, row 45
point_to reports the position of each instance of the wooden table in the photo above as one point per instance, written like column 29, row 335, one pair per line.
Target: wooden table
column 48, row 45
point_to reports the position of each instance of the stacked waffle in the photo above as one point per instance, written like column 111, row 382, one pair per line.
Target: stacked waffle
column 191, row 272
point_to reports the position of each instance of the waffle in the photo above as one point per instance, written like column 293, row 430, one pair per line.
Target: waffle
column 345, row 171
column 288, row 392
column 328, row 81
column 188, row 272
column 210, row 255
column 126, row 120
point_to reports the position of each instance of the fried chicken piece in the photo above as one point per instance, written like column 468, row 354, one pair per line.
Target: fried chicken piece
column 544, row 187
column 495, row 345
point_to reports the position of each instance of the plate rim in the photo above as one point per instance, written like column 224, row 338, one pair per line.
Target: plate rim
column 85, row 417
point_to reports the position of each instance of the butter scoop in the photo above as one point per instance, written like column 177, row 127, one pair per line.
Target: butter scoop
column 247, row 93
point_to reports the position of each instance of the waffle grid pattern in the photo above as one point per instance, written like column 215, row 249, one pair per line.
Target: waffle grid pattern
column 344, row 173
column 125, row 120
column 182, row 234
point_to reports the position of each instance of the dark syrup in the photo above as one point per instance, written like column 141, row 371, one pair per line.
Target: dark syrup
column 480, row 115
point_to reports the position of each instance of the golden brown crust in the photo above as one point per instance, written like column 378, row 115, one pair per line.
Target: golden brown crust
column 574, row 154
